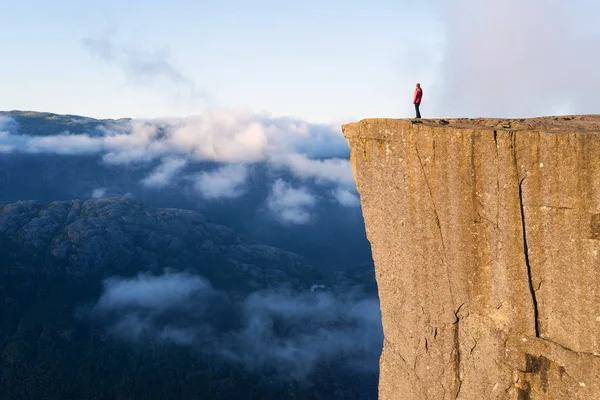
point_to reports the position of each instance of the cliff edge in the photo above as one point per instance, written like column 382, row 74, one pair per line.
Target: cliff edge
column 485, row 235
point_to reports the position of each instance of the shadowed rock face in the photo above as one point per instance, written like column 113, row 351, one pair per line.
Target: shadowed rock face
column 486, row 240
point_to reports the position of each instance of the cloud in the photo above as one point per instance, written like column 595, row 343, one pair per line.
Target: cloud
column 142, row 67
column 346, row 198
column 174, row 307
column 164, row 173
column 137, row 141
column 236, row 137
column 7, row 124
column 224, row 182
column 229, row 136
column 137, row 138
column 290, row 204
column 103, row 192
column 309, row 139
column 66, row 144
column 518, row 58
column 98, row 193
column 222, row 136
column 329, row 170
column 317, row 326
column 148, row 292
column 291, row 332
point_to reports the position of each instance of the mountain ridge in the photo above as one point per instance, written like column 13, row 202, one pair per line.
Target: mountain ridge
column 73, row 232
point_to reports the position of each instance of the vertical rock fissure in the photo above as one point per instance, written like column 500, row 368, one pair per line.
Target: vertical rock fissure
column 524, row 229
column 437, row 220
column 456, row 381
column 527, row 263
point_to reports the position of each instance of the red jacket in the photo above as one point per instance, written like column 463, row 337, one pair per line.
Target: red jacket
column 418, row 96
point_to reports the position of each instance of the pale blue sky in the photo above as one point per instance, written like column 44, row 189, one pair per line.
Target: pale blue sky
column 324, row 61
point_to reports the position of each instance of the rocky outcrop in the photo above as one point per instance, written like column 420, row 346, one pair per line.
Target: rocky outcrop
column 486, row 240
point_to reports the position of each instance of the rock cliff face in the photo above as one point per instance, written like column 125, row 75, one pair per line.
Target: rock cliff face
column 486, row 240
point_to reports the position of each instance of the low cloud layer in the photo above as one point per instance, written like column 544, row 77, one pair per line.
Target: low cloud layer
column 346, row 197
column 227, row 182
column 291, row 204
column 236, row 139
column 327, row 170
column 290, row 331
column 164, row 173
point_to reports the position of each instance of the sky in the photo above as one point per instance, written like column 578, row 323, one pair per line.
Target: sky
column 319, row 61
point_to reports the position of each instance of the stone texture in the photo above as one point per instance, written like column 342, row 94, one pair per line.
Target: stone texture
column 486, row 240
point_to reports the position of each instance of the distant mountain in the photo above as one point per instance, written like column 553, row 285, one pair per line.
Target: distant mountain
column 222, row 256
column 35, row 123
column 109, row 298
column 120, row 236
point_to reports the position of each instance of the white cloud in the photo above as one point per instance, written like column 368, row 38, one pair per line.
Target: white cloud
column 157, row 293
column 225, row 182
column 139, row 306
column 346, row 198
column 238, row 137
column 186, row 310
column 136, row 141
column 290, row 204
column 329, row 170
column 230, row 136
column 129, row 156
column 66, row 144
column 164, row 173
column 219, row 135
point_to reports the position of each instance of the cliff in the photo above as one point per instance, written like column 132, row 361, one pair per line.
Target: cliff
column 486, row 239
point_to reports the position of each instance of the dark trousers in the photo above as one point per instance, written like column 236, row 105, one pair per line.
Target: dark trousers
column 417, row 110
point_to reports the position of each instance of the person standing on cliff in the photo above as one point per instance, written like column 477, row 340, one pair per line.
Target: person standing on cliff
column 417, row 99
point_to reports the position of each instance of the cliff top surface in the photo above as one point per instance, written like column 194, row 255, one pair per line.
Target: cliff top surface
column 563, row 123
